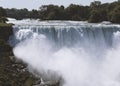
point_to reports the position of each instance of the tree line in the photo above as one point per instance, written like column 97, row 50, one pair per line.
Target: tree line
column 3, row 15
column 96, row 12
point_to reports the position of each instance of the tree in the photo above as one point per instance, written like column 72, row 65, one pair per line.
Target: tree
column 33, row 14
column 95, row 16
column 51, row 12
column 76, row 18
column 96, row 12
column 77, row 12
column 3, row 18
column 72, row 10
column 95, row 4
column 2, row 12
column 115, row 15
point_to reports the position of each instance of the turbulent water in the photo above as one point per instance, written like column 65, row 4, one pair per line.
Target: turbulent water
column 82, row 54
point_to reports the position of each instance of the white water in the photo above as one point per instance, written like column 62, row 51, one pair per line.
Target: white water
column 85, row 62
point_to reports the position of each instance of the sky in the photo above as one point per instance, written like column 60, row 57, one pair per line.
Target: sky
column 35, row 4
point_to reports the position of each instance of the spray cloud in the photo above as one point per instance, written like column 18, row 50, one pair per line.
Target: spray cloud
column 86, row 65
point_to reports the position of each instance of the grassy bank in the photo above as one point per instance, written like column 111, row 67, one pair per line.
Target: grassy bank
column 5, row 25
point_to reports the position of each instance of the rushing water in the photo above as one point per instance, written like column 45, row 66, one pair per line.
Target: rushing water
column 83, row 54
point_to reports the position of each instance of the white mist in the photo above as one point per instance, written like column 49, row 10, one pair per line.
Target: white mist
column 87, row 65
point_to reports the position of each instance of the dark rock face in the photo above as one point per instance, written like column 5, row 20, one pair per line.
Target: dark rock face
column 5, row 33
column 11, row 72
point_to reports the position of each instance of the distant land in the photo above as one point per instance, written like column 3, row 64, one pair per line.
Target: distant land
column 96, row 12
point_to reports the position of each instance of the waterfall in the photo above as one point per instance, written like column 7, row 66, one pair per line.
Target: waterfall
column 83, row 54
column 67, row 33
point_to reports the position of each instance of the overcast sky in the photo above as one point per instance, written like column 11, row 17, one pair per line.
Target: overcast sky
column 35, row 4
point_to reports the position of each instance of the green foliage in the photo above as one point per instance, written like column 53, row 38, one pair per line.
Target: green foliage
column 115, row 15
column 2, row 15
column 95, row 16
column 98, row 16
column 77, row 12
column 51, row 12
column 76, row 17
column 73, row 12
column 2, row 12
column 33, row 14
column 17, row 13
column 95, row 4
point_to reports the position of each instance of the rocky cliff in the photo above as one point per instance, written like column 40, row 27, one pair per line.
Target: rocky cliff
column 12, row 73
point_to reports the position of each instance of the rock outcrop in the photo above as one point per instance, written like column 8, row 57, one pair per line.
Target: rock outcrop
column 12, row 71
